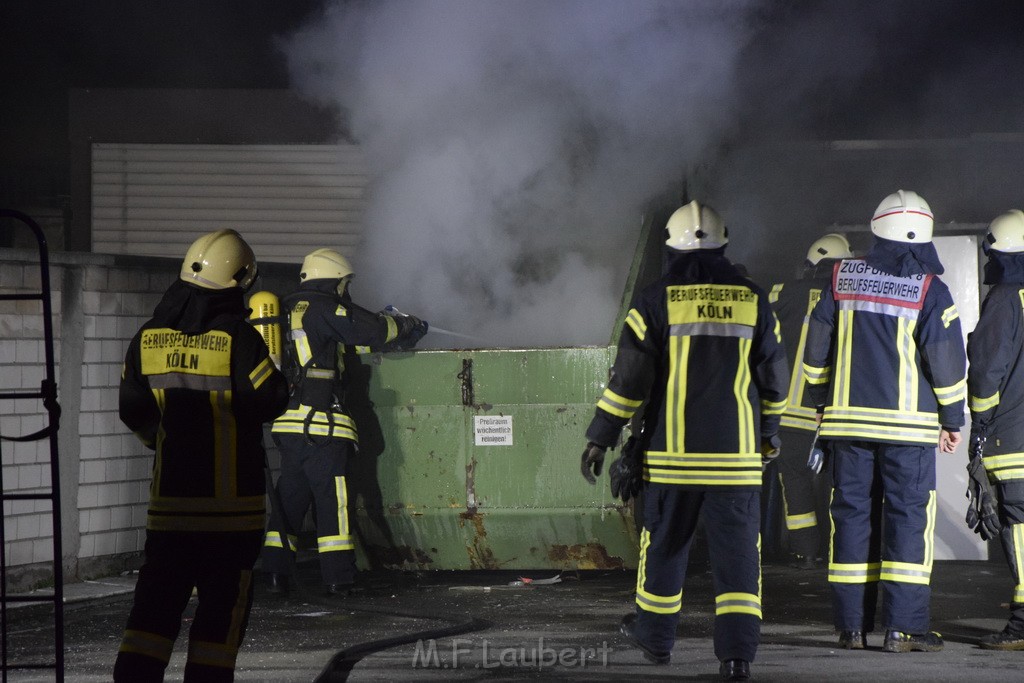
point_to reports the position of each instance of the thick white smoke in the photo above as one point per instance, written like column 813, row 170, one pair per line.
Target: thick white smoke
column 514, row 146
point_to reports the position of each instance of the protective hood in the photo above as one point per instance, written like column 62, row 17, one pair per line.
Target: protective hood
column 823, row 269
column 325, row 285
column 700, row 264
column 904, row 258
column 1003, row 268
column 194, row 310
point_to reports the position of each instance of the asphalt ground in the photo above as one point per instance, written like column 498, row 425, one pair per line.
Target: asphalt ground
column 467, row 626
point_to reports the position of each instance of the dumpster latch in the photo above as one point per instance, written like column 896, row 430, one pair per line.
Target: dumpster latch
column 466, row 377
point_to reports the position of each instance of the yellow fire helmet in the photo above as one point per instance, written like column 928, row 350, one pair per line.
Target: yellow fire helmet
column 830, row 246
column 219, row 260
column 325, row 264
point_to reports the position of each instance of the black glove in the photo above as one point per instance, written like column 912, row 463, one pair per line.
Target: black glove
column 410, row 330
column 418, row 331
column 983, row 506
column 626, row 473
column 627, row 478
column 771, row 446
column 593, row 457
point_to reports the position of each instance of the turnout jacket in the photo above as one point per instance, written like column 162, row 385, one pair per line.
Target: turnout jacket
column 995, row 381
column 197, row 385
column 702, row 347
column 323, row 328
column 884, row 353
column 792, row 303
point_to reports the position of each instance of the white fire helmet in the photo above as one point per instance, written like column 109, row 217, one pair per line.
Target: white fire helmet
column 219, row 260
column 1006, row 233
column 695, row 226
column 903, row 216
column 830, row 246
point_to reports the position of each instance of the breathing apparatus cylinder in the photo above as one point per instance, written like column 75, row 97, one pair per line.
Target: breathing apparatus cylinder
column 266, row 310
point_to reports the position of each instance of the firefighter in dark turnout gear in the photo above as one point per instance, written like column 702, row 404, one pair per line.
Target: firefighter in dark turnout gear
column 995, row 383
column 197, row 386
column 316, row 435
column 792, row 303
column 701, row 347
column 885, row 358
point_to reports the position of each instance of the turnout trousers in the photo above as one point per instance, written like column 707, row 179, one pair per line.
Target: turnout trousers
column 312, row 474
column 1011, row 514
column 799, row 492
column 219, row 566
column 732, row 521
column 883, row 519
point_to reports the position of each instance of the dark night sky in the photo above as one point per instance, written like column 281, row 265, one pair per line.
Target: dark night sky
column 919, row 68
column 48, row 46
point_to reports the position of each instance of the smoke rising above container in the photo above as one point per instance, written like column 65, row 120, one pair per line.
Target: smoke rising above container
column 513, row 148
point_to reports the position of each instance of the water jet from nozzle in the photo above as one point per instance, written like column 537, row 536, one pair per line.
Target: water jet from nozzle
column 391, row 310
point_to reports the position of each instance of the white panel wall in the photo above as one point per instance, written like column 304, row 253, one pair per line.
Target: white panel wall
column 286, row 200
column 953, row 540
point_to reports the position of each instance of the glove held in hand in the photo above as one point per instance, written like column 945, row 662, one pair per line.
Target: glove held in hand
column 983, row 508
column 592, row 459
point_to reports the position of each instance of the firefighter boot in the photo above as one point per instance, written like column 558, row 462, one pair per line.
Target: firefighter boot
column 628, row 629
column 735, row 670
column 853, row 640
column 1004, row 640
column 338, row 590
column 898, row 641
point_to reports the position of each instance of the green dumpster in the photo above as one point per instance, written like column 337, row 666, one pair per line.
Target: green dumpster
column 469, row 459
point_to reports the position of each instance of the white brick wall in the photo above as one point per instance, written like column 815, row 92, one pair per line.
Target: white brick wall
column 105, row 469
column 112, row 483
column 115, row 467
column 28, row 524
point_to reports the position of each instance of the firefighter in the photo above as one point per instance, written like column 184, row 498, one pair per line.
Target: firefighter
column 885, row 363
column 196, row 388
column 995, row 383
column 792, row 303
column 316, row 435
column 701, row 348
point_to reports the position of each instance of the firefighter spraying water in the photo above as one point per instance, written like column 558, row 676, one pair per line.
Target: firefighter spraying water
column 323, row 329
column 391, row 310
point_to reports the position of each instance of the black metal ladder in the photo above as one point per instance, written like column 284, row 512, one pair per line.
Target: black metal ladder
column 48, row 395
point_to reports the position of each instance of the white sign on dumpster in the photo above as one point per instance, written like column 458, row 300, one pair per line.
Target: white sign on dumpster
column 492, row 430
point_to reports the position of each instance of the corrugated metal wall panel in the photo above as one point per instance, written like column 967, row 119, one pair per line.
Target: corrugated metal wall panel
column 286, row 200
